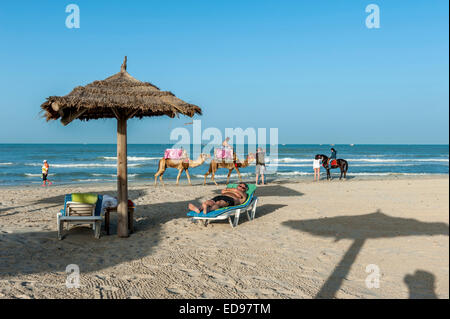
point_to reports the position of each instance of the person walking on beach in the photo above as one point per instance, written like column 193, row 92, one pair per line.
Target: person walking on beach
column 260, row 165
column 316, row 166
column 45, row 168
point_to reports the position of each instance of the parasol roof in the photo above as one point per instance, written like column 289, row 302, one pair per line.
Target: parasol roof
column 117, row 94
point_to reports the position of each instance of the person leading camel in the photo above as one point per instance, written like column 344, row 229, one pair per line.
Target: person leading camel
column 260, row 165
column 230, row 197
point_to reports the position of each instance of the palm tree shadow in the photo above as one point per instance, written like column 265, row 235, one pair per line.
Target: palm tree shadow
column 359, row 229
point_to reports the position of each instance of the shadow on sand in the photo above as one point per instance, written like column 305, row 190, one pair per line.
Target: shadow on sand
column 271, row 190
column 359, row 229
column 58, row 201
column 421, row 285
column 28, row 252
column 267, row 209
column 41, row 252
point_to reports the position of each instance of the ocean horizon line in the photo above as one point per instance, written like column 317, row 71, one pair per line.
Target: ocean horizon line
column 21, row 163
column 284, row 144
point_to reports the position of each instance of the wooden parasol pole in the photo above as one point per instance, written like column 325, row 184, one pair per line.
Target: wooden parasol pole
column 122, row 178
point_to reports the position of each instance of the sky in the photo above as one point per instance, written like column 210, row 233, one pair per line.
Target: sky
column 311, row 69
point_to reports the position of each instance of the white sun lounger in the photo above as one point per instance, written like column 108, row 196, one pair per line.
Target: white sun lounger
column 80, row 213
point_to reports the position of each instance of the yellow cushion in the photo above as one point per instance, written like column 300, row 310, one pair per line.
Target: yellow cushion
column 85, row 198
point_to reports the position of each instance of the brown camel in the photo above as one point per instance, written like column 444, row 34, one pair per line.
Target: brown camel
column 181, row 165
column 236, row 164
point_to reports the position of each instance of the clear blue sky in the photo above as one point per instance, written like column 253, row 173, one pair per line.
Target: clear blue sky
column 310, row 68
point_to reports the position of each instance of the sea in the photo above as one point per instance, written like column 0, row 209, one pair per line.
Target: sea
column 20, row 164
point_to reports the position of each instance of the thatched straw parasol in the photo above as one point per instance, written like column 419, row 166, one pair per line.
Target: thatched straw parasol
column 122, row 97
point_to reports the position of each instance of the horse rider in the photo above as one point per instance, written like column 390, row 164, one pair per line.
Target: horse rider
column 332, row 157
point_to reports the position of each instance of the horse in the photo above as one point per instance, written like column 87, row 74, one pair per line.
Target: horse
column 341, row 163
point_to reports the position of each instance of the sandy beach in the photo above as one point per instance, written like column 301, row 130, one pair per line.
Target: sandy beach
column 308, row 240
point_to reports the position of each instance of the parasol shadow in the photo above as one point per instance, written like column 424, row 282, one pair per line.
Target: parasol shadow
column 359, row 229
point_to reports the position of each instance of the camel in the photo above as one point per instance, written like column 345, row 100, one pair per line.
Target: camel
column 181, row 165
column 236, row 164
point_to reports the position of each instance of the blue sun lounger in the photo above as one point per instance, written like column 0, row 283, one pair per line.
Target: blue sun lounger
column 249, row 207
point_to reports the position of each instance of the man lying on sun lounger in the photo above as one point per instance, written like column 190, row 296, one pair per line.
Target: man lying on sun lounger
column 230, row 197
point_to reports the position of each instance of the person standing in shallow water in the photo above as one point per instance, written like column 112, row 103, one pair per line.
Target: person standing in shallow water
column 260, row 165
column 316, row 166
column 45, row 168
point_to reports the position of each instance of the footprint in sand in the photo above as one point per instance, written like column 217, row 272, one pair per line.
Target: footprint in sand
column 221, row 279
column 192, row 272
column 109, row 288
column 176, row 290
column 246, row 263
column 207, row 295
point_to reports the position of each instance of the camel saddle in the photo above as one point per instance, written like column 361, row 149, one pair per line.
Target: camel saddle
column 223, row 154
column 173, row 153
